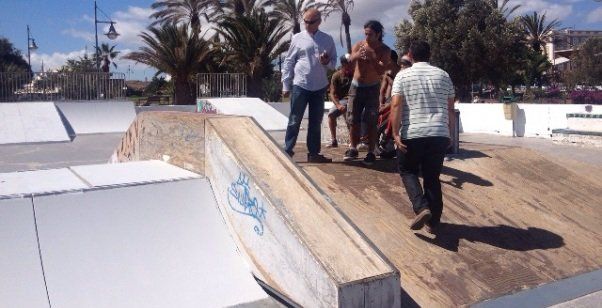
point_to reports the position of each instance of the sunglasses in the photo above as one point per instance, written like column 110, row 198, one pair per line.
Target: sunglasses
column 311, row 22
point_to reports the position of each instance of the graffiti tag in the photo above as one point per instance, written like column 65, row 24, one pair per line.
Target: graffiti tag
column 240, row 201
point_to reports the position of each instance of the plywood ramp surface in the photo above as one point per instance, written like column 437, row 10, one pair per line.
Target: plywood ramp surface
column 513, row 219
column 298, row 237
column 174, row 137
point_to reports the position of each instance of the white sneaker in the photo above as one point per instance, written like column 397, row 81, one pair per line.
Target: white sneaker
column 362, row 147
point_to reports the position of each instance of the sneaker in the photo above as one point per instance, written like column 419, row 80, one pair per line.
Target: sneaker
column 362, row 147
column 318, row 158
column 421, row 219
column 289, row 153
column 350, row 154
column 333, row 144
column 369, row 159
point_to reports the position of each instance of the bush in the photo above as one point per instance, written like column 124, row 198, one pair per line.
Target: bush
column 586, row 96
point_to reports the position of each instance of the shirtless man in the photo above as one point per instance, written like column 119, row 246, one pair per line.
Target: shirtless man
column 371, row 59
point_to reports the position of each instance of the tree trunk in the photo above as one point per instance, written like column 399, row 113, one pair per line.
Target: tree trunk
column 346, row 23
column 255, row 87
column 182, row 93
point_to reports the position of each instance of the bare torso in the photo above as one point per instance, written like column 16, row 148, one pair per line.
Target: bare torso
column 372, row 62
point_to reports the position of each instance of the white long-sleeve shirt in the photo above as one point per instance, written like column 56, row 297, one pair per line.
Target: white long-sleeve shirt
column 302, row 65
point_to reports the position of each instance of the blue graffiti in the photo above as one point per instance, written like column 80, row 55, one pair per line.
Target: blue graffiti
column 239, row 190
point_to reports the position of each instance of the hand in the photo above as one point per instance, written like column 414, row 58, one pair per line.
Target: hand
column 341, row 107
column 324, row 58
column 285, row 94
column 399, row 145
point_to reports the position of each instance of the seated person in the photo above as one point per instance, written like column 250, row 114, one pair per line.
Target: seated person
column 339, row 88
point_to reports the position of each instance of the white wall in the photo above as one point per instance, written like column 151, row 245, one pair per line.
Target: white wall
column 533, row 120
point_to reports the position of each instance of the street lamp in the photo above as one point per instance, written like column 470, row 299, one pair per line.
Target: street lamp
column 112, row 34
column 31, row 46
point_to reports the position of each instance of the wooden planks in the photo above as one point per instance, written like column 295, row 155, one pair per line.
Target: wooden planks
column 514, row 219
column 294, row 236
column 174, row 137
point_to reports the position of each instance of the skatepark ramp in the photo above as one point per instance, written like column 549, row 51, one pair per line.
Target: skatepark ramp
column 141, row 234
column 30, row 123
column 290, row 232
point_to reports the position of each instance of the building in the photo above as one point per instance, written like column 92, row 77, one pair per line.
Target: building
column 563, row 43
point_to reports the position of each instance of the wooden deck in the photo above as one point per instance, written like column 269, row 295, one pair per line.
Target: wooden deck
column 513, row 219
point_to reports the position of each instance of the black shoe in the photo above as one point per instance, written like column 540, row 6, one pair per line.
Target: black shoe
column 289, row 153
column 350, row 154
column 421, row 218
column 333, row 144
column 369, row 159
column 318, row 158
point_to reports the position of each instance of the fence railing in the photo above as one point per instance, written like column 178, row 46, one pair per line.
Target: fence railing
column 54, row 86
column 221, row 85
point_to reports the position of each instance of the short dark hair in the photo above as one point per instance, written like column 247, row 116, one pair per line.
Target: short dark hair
column 376, row 26
column 343, row 60
column 394, row 56
column 421, row 51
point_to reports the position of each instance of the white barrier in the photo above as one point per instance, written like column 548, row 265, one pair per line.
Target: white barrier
column 269, row 118
column 532, row 120
column 31, row 122
column 151, row 238
column 97, row 117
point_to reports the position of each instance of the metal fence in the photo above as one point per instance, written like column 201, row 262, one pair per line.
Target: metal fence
column 221, row 85
column 54, row 86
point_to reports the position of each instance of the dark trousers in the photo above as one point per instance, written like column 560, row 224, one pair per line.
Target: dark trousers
column 426, row 155
column 300, row 98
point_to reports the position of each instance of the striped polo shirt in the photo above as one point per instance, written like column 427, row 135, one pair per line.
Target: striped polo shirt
column 425, row 89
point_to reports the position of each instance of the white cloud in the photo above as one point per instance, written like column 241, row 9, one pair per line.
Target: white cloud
column 385, row 11
column 595, row 16
column 552, row 10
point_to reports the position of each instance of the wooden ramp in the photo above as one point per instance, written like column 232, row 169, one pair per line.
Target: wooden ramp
column 293, row 236
column 513, row 220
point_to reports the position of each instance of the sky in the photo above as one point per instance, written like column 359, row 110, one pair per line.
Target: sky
column 64, row 29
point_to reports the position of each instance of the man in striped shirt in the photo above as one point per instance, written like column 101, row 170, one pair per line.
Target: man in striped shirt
column 421, row 114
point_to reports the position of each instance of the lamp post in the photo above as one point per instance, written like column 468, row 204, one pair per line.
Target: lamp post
column 112, row 34
column 31, row 46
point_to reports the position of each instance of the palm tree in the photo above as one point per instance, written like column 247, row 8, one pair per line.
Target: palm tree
column 242, row 7
column 538, row 32
column 291, row 11
column 106, row 54
column 343, row 6
column 174, row 50
column 189, row 11
column 252, row 41
column 504, row 9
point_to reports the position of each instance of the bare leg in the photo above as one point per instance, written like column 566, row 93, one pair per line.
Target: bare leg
column 332, row 124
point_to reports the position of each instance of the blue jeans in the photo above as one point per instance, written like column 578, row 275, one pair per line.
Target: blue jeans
column 300, row 98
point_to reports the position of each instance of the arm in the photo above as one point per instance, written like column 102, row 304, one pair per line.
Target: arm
column 355, row 53
column 383, row 90
column 332, row 93
column 451, row 116
column 395, row 119
column 288, row 68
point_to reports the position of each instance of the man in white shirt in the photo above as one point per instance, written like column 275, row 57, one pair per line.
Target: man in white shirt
column 310, row 55
column 422, row 114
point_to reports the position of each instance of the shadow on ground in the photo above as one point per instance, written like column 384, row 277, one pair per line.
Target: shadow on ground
column 501, row 236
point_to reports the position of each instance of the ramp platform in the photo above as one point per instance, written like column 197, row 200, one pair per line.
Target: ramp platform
column 267, row 117
column 97, row 117
column 30, row 123
column 152, row 238
column 513, row 220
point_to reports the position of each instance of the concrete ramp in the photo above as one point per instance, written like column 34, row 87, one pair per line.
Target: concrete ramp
column 152, row 238
column 30, row 123
column 267, row 117
column 97, row 117
column 292, row 234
